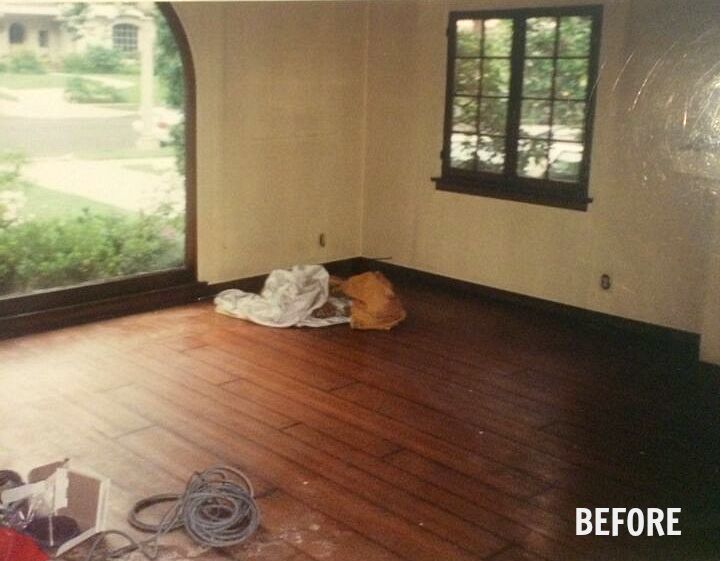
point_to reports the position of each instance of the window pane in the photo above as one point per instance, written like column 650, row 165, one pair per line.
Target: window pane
column 462, row 151
column 565, row 161
column 569, row 120
column 572, row 78
column 540, row 37
column 493, row 115
column 465, row 114
column 467, row 76
column 496, row 77
column 575, row 36
column 532, row 158
column 469, row 37
column 491, row 154
column 535, row 119
column 537, row 80
column 498, row 37
column 92, row 182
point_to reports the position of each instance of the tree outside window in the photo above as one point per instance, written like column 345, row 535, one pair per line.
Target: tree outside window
column 520, row 103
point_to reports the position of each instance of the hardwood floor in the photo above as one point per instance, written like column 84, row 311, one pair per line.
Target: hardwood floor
column 472, row 431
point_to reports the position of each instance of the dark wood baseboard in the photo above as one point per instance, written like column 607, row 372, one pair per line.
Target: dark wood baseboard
column 683, row 344
column 710, row 371
column 341, row 268
column 53, row 318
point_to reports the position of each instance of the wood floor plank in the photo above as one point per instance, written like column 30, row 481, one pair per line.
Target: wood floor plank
column 492, row 472
column 370, row 488
column 550, row 538
column 394, row 533
column 292, row 367
column 285, row 520
column 471, row 431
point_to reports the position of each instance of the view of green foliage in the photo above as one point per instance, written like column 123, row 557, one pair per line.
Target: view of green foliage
column 82, row 90
column 64, row 251
column 97, row 60
column 553, row 85
column 169, row 69
column 74, row 17
column 52, row 239
column 10, row 171
column 25, row 62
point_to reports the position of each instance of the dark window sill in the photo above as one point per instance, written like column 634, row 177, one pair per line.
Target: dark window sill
column 75, row 312
column 499, row 191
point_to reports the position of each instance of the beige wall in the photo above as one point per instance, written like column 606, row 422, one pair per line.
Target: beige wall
column 648, row 226
column 327, row 117
column 710, row 327
column 280, row 132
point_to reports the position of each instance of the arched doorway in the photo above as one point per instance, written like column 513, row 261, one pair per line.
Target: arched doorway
column 102, row 208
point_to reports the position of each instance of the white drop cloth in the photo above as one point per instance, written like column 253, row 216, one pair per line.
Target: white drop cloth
column 288, row 298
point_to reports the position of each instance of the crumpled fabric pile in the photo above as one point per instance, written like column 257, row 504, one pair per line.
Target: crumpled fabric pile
column 374, row 302
column 306, row 296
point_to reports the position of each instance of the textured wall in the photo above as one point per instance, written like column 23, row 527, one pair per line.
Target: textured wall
column 280, row 132
column 647, row 225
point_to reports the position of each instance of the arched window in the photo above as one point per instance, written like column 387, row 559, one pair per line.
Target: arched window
column 125, row 37
column 114, row 233
column 17, row 34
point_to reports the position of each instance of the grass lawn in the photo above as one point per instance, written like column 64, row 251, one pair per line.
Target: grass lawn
column 126, row 154
column 131, row 91
column 32, row 81
column 45, row 203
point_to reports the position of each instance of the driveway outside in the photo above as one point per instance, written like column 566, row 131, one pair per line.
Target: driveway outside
column 65, row 143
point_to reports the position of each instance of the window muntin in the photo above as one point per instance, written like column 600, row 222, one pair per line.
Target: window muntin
column 520, row 101
column 125, row 37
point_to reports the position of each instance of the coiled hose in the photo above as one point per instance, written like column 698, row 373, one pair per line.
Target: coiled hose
column 217, row 509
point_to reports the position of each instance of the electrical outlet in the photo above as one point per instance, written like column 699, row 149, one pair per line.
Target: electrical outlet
column 321, row 240
column 605, row 282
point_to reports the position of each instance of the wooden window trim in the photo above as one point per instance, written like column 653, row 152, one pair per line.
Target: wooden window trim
column 97, row 292
column 509, row 186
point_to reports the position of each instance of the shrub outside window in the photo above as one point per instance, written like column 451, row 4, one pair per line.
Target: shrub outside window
column 520, row 103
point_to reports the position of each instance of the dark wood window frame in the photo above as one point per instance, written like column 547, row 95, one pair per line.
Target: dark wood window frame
column 78, row 303
column 508, row 185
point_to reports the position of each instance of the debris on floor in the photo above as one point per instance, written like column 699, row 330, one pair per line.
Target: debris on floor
column 57, row 509
column 306, row 296
column 19, row 547
column 374, row 302
column 60, row 508
column 288, row 299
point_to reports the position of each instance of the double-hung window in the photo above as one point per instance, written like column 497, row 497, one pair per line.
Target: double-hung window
column 520, row 102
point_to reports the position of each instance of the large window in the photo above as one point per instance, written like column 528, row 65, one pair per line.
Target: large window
column 520, row 97
column 101, row 207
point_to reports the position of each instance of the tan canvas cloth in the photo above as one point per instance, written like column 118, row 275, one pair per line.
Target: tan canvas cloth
column 374, row 303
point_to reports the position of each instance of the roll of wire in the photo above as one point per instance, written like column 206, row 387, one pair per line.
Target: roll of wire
column 217, row 509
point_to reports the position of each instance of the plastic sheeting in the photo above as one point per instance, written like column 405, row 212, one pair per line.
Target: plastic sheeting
column 289, row 298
